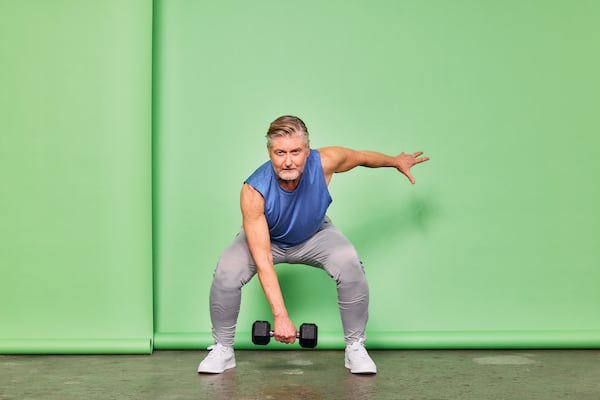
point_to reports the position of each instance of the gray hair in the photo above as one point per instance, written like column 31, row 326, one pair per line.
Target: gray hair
column 287, row 125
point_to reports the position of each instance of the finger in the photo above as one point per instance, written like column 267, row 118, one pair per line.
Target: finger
column 420, row 160
column 417, row 154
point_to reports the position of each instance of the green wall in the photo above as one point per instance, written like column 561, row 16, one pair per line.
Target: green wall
column 106, row 242
column 75, row 177
column 495, row 246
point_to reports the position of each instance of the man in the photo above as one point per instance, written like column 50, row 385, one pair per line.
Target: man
column 284, row 204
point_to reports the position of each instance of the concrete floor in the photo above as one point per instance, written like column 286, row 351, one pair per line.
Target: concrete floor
column 308, row 374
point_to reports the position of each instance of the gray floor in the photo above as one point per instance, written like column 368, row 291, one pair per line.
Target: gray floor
column 272, row 375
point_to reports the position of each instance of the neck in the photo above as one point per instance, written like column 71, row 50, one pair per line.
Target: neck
column 289, row 185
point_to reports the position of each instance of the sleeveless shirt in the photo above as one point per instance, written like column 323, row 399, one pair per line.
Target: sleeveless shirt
column 293, row 217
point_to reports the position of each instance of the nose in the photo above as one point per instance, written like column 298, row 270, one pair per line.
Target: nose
column 288, row 160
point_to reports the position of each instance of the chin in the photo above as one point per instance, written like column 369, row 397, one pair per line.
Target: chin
column 289, row 175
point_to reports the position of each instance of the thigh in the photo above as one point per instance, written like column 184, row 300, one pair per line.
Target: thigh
column 236, row 265
column 330, row 250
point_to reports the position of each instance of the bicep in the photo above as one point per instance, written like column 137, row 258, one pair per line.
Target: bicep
column 255, row 225
column 337, row 159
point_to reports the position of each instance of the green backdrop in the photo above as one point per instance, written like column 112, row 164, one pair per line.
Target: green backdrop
column 75, row 177
column 495, row 246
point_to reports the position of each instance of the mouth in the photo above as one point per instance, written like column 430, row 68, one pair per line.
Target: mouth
column 289, row 173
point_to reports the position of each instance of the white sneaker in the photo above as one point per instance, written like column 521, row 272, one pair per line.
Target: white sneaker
column 218, row 360
column 358, row 360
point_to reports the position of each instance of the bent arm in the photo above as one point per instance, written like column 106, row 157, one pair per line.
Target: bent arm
column 337, row 159
column 259, row 242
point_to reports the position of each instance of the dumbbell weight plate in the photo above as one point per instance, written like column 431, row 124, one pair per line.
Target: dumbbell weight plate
column 308, row 334
column 261, row 332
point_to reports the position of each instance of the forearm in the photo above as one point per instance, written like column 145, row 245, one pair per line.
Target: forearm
column 374, row 159
column 272, row 290
column 283, row 328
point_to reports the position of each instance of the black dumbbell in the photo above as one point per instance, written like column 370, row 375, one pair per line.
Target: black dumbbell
column 261, row 334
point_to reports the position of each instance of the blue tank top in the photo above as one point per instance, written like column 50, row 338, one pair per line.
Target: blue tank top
column 293, row 217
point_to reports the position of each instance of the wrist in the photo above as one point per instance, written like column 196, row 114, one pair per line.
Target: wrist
column 281, row 314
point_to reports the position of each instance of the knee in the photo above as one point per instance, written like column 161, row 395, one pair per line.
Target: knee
column 233, row 270
column 346, row 267
column 232, row 276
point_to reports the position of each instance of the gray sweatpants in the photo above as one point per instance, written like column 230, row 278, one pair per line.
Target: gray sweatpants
column 328, row 249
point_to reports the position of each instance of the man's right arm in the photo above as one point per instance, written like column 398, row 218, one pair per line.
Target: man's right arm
column 259, row 242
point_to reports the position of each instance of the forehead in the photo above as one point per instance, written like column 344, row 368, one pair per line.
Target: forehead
column 287, row 142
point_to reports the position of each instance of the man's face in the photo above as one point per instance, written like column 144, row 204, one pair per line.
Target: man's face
column 288, row 155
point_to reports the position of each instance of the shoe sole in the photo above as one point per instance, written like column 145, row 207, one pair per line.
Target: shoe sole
column 359, row 372
column 212, row 372
column 365, row 372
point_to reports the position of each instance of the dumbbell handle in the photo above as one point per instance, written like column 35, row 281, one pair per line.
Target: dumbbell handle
column 272, row 333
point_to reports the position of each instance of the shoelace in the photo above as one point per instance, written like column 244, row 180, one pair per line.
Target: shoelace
column 215, row 347
column 358, row 348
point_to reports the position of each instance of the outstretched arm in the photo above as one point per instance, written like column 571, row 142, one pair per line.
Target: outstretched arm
column 257, row 234
column 341, row 159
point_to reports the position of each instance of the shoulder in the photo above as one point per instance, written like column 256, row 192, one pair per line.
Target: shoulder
column 261, row 171
column 327, row 155
column 334, row 157
column 330, row 158
column 251, row 200
column 249, row 191
column 261, row 178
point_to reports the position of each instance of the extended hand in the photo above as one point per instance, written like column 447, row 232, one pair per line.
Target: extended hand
column 406, row 161
column 284, row 330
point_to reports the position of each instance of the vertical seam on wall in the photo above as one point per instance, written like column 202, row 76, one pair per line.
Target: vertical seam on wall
column 153, row 159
